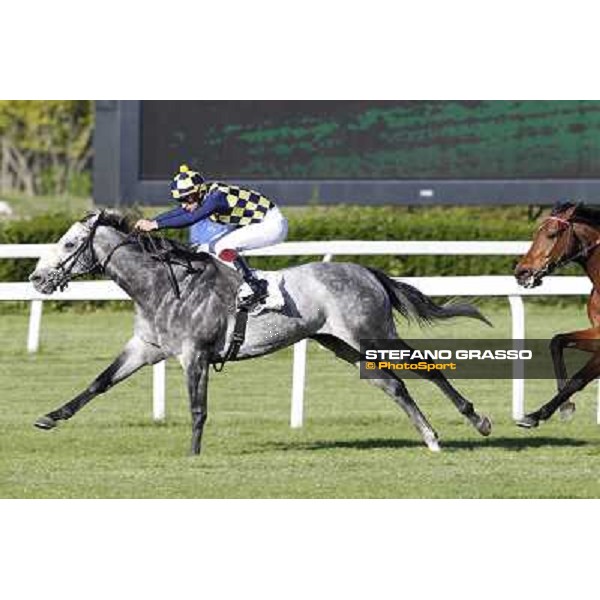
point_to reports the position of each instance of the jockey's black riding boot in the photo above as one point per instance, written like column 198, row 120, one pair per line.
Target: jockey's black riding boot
column 258, row 286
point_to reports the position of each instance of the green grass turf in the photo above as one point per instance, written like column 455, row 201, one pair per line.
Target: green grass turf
column 355, row 443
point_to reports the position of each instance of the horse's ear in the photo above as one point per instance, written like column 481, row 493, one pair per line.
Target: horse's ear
column 91, row 218
column 570, row 211
column 564, row 208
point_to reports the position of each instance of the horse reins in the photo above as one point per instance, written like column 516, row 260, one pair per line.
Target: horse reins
column 163, row 256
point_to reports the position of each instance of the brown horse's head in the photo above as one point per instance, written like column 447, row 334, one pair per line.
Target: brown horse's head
column 553, row 243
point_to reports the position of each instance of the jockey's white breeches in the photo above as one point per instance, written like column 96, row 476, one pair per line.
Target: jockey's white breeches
column 271, row 230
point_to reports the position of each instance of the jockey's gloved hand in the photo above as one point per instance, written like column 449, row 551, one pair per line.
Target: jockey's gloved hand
column 146, row 225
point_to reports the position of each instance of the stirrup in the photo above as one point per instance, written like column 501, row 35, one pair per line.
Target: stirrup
column 260, row 292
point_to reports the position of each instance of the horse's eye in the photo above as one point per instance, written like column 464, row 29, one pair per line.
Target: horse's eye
column 69, row 245
column 552, row 236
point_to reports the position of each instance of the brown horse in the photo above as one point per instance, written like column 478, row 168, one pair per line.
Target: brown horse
column 571, row 233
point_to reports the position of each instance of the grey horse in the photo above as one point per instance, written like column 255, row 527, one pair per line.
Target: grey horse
column 189, row 313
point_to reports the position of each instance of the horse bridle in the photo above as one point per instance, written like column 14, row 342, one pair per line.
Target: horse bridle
column 62, row 273
column 582, row 252
column 64, row 269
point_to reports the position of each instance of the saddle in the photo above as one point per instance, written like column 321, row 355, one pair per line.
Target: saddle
column 274, row 297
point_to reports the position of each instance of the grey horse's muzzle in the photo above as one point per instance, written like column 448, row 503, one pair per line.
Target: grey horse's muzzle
column 46, row 282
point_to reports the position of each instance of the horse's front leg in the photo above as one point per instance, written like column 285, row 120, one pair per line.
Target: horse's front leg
column 586, row 340
column 135, row 355
column 557, row 346
column 590, row 371
column 196, row 366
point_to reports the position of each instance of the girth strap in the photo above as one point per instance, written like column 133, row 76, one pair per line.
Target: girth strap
column 237, row 338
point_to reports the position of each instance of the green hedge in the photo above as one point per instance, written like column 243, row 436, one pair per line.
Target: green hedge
column 40, row 230
column 345, row 223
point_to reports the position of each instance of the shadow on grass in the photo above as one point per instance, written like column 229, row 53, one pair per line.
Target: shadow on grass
column 507, row 443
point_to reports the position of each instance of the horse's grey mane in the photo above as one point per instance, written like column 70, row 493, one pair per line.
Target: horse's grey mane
column 148, row 243
column 110, row 218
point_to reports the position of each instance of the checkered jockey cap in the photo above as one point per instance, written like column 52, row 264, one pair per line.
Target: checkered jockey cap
column 186, row 182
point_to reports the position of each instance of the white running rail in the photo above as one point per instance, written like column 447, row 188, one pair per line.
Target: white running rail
column 433, row 286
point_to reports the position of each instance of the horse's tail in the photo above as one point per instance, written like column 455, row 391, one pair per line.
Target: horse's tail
column 413, row 304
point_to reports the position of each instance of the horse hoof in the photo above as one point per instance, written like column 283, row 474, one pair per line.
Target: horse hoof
column 433, row 445
column 528, row 422
column 567, row 410
column 484, row 426
column 45, row 422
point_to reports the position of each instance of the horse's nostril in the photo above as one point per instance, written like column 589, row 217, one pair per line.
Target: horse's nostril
column 34, row 278
column 521, row 272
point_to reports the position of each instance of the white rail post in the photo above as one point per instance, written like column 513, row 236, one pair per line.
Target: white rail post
column 35, row 323
column 158, row 390
column 299, row 376
column 298, row 380
column 517, row 309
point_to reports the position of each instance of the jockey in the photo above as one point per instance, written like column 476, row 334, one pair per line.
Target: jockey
column 244, row 220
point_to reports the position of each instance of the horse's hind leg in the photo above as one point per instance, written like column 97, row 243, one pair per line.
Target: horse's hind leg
column 390, row 384
column 135, row 355
column 464, row 407
column 396, row 388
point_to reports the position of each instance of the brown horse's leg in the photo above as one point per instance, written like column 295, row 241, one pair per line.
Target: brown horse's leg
column 586, row 340
column 590, row 371
column 557, row 345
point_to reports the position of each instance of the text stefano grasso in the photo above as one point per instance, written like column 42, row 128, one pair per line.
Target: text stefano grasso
column 410, row 355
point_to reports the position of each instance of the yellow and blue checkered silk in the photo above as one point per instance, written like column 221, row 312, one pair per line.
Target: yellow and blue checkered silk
column 245, row 207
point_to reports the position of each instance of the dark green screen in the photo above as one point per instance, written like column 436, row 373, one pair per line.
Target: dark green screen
column 372, row 139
